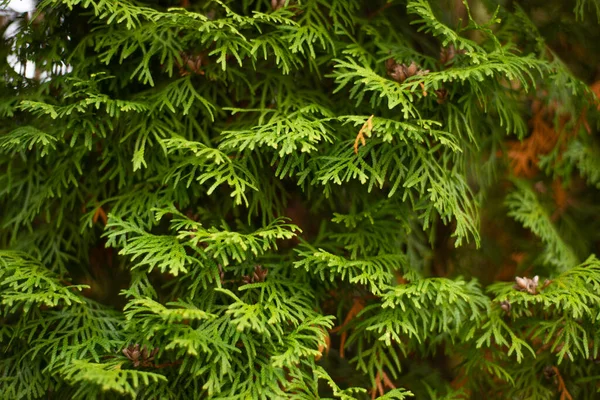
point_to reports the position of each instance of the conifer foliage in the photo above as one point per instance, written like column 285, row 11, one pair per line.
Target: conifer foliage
column 299, row 199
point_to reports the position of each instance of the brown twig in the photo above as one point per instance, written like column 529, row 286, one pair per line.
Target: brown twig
column 100, row 214
column 379, row 10
column 356, row 308
column 324, row 346
column 562, row 389
column 381, row 381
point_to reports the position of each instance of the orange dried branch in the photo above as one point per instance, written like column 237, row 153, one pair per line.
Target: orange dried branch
column 400, row 279
column 561, row 198
column 356, row 308
column 545, row 137
column 562, row 389
column 524, row 155
column 521, row 161
column 324, row 346
column 365, row 130
column 381, row 380
column 423, row 88
column 100, row 213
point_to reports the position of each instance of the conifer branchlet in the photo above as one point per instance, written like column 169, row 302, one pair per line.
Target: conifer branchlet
column 299, row 199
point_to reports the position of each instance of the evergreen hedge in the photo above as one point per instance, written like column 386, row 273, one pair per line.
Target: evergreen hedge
column 300, row 199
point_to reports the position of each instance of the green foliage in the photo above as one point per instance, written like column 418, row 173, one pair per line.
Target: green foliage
column 587, row 161
column 581, row 7
column 106, row 377
column 298, row 199
column 525, row 208
column 26, row 282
